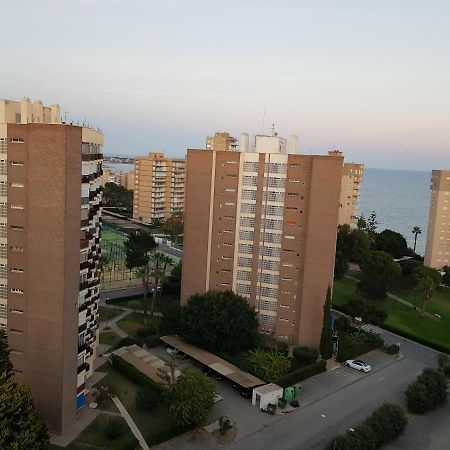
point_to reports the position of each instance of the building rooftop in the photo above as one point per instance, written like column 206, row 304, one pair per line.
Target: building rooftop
column 267, row 389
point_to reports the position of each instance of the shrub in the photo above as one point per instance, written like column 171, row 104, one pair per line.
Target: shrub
column 133, row 374
column 104, row 393
column 306, row 355
column 127, row 341
column 342, row 323
column 147, row 399
column 383, row 426
column 443, row 360
column 416, row 395
column 170, row 322
column 114, row 428
column 356, row 344
column 372, row 289
column 369, row 311
column 302, row 374
column 391, row 349
column 152, row 341
column 224, row 424
column 428, row 392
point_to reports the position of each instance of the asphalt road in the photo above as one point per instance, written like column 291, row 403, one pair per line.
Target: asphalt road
column 118, row 293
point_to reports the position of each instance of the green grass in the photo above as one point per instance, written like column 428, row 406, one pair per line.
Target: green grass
column 106, row 314
column 134, row 321
column 162, row 303
column 109, row 338
column 405, row 319
column 93, row 437
column 155, row 426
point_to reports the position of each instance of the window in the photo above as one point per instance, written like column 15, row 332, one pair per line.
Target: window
column 17, row 163
column 266, row 305
column 245, row 275
column 269, row 265
column 243, row 289
column 16, row 227
column 16, row 291
column 271, row 196
column 272, row 210
column 267, row 278
column 273, row 224
column 246, row 248
column 248, row 222
column 250, row 181
column 248, row 194
column 276, row 182
column 16, row 270
column 270, row 251
column 251, row 166
column 17, row 141
column 17, row 185
column 265, row 291
column 266, row 320
column 271, row 238
column 244, row 262
column 248, row 208
column 16, row 249
column 17, row 207
column 16, row 311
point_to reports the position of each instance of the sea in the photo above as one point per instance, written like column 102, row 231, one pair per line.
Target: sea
column 400, row 199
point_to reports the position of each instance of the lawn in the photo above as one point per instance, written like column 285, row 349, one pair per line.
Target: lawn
column 155, row 426
column 106, row 314
column 405, row 319
column 109, row 338
column 134, row 321
column 93, row 437
column 162, row 303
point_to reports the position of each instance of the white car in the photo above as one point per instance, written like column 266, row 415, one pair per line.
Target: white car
column 358, row 365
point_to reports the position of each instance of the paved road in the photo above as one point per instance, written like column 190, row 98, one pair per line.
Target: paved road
column 118, row 293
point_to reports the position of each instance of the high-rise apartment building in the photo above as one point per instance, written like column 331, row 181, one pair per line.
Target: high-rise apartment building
column 352, row 176
column 127, row 180
column 263, row 223
column 50, row 187
column 158, row 187
column 221, row 141
column 437, row 251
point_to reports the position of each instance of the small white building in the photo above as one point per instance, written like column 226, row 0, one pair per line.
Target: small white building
column 263, row 395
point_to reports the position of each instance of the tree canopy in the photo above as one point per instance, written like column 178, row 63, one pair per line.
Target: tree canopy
column 326, row 340
column 380, row 266
column 391, row 242
column 137, row 246
column 268, row 365
column 421, row 272
column 173, row 226
column 219, row 322
column 6, row 368
column 190, row 399
column 117, row 196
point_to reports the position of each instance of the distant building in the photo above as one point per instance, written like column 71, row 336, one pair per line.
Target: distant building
column 221, row 141
column 50, row 189
column 437, row 251
column 352, row 176
column 127, row 180
column 158, row 187
column 262, row 222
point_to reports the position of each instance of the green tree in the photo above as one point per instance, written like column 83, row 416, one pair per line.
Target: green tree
column 387, row 422
column 391, row 242
column 6, row 367
column 428, row 392
column 137, row 247
column 416, row 231
column 173, row 226
column 326, row 338
column 417, row 398
column 115, row 196
column 268, row 365
column 20, row 424
column 427, row 280
column 380, row 266
column 191, row 399
column 219, row 322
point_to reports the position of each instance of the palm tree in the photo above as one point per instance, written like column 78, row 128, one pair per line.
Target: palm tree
column 143, row 272
column 167, row 262
column 426, row 286
column 416, row 231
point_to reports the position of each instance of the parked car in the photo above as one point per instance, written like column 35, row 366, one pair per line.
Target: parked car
column 358, row 365
column 212, row 373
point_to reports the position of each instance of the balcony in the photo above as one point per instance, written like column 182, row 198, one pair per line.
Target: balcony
column 83, row 367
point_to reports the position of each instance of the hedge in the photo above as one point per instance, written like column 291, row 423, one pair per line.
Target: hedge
column 129, row 371
column 306, row 355
column 302, row 374
column 355, row 344
column 384, row 425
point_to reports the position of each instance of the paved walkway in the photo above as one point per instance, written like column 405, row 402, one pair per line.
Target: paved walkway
column 131, row 424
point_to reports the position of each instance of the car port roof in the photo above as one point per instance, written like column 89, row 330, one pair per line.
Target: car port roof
column 226, row 369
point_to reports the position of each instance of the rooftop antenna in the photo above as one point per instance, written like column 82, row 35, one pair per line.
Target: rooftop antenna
column 273, row 130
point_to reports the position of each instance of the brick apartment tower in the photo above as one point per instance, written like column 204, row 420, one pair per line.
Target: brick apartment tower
column 158, row 187
column 437, row 251
column 49, row 254
column 263, row 223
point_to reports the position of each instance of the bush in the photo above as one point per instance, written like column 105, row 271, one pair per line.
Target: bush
column 369, row 311
column 383, row 426
column 147, row 399
column 114, row 428
column 391, row 349
column 342, row 323
column 126, row 342
column 147, row 331
column 443, row 360
column 129, row 371
column 152, row 341
column 134, row 304
column 356, row 344
column 372, row 289
column 302, row 374
column 170, row 322
column 306, row 355
column 428, row 392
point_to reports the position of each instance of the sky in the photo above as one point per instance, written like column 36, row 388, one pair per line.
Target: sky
column 371, row 79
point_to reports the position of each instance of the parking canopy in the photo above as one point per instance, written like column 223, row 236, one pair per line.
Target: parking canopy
column 233, row 373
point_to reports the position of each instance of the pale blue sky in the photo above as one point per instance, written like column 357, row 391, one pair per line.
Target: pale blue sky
column 370, row 78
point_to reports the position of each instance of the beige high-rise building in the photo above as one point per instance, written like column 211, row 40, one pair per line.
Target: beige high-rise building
column 221, row 141
column 50, row 187
column 158, row 187
column 127, row 180
column 263, row 224
column 437, row 251
column 352, row 176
